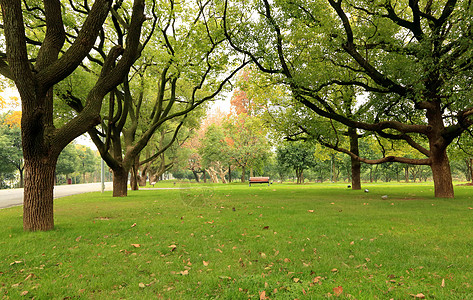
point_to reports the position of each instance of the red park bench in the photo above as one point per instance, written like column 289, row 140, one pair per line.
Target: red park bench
column 259, row 180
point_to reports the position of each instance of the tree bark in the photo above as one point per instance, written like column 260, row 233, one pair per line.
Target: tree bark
column 120, row 182
column 355, row 163
column 38, row 207
column 243, row 171
column 442, row 175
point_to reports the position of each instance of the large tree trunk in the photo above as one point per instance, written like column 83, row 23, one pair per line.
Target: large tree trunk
column 38, row 198
column 120, row 182
column 355, row 164
column 243, row 170
column 442, row 175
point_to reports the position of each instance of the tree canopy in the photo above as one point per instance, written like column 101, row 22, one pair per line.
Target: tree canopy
column 410, row 60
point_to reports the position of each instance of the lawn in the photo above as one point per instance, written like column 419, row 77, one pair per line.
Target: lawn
column 236, row 242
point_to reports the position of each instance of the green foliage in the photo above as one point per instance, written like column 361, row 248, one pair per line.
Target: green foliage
column 214, row 147
column 68, row 161
column 11, row 154
column 298, row 156
column 246, row 137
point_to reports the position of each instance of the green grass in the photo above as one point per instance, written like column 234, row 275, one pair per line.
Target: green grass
column 236, row 242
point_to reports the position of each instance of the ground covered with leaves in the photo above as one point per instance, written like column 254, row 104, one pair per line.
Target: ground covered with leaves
column 236, row 242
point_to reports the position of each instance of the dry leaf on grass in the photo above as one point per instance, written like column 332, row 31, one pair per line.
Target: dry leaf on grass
column 337, row 291
column 418, row 296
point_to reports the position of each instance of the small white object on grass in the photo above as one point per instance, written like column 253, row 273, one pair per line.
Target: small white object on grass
column 366, row 190
column 384, row 197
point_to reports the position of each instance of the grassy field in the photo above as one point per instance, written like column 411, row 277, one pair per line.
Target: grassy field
column 235, row 242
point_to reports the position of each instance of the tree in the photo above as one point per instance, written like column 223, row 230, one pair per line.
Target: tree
column 298, row 156
column 178, row 74
column 58, row 51
column 412, row 61
column 68, row 161
column 215, row 152
column 11, row 155
column 246, row 138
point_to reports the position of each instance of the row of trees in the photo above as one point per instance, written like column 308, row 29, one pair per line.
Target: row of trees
column 301, row 160
column 156, row 62
column 399, row 71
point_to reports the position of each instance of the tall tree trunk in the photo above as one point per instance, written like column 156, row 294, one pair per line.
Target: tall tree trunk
column 442, row 175
column 243, row 171
column 134, row 181
column 406, row 173
column 120, row 182
column 38, row 207
column 355, row 164
column 134, row 174
column 230, row 173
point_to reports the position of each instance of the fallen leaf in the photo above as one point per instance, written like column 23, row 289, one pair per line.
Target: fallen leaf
column 218, row 250
column 263, row 255
column 262, row 295
column 265, row 227
column 296, row 280
column 78, row 238
column 334, row 270
column 31, row 275
column 134, row 224
column 141, row 285
column 420, row 296
column 337, row 291
column 16, row 262
column 311, row 210
column 185, row 272
column 24, row 293
column 286, row 260
column 136, row 245
column 443, row 283
column 317, row 280
column 173, row 247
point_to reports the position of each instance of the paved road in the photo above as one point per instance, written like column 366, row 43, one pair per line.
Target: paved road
column 14, row 197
